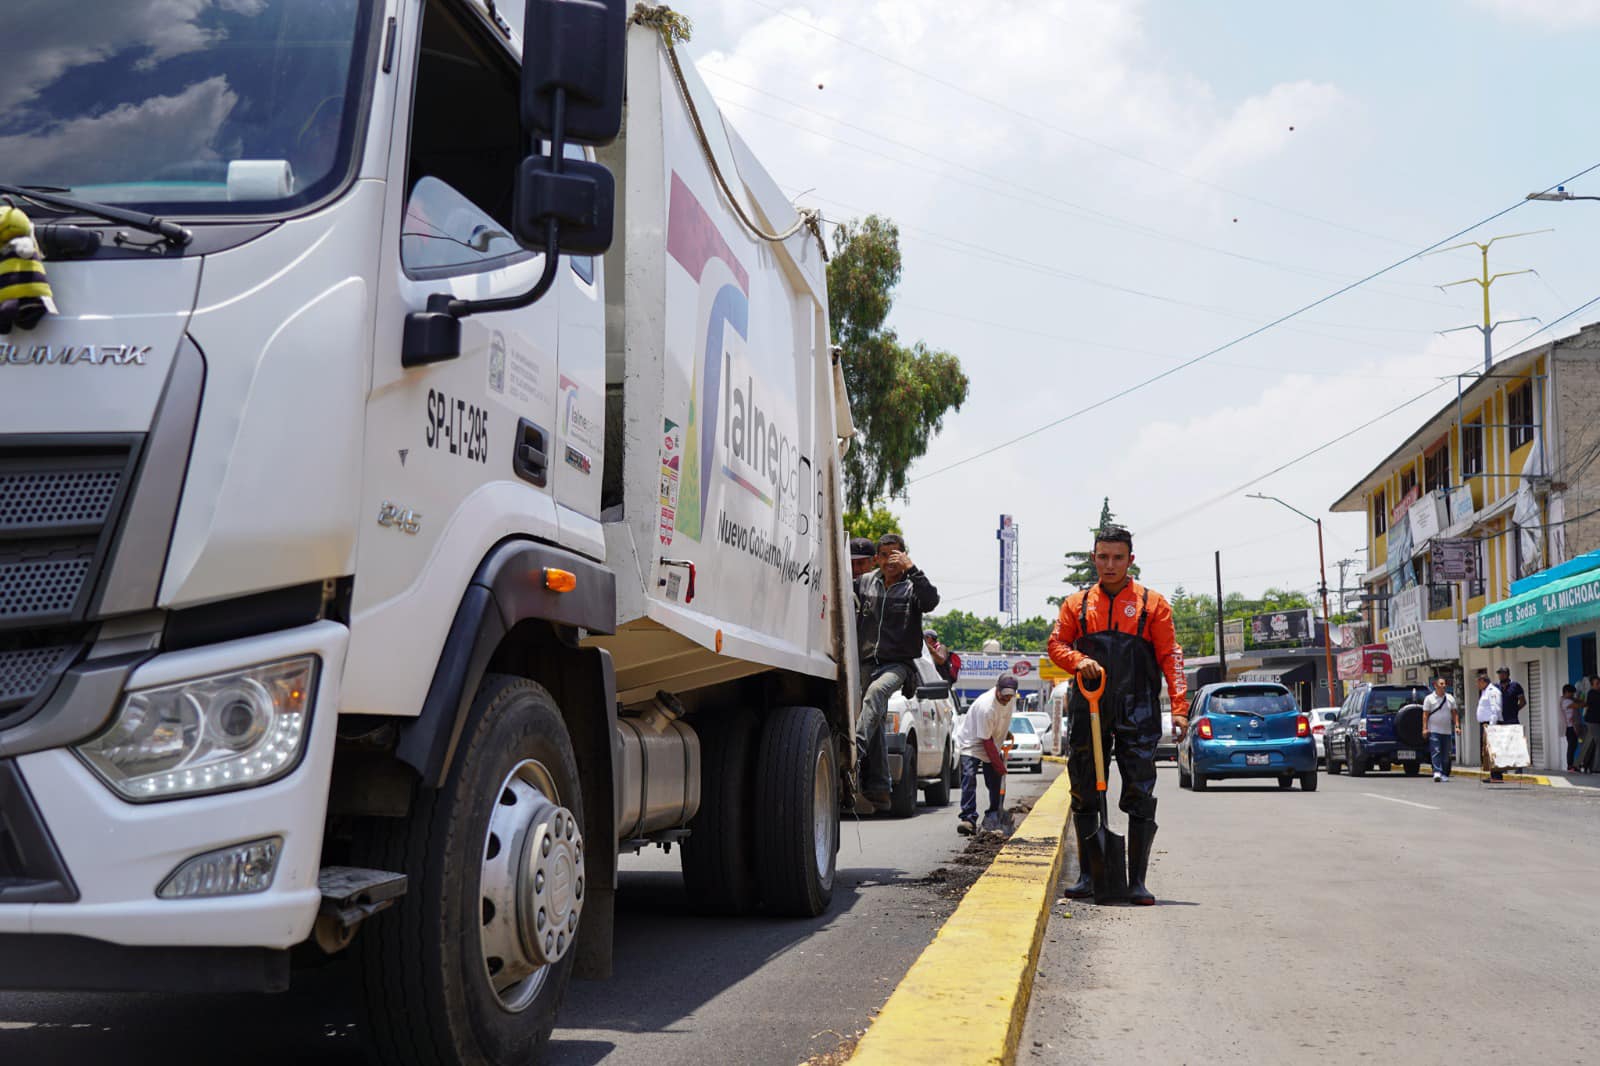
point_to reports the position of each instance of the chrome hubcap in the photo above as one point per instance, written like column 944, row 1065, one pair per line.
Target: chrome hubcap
column 824, row 828
column 532, row 885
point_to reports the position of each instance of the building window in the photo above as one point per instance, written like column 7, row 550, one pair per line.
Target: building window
column 1408, row 481
column 1380, row 607
column 1471, row 449
column 1519, row 413
column 1478, row 585
column 1436, row 469
column 1380, row 514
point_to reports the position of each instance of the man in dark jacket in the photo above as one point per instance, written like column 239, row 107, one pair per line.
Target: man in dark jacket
column 890, row 603
column 1512, row 698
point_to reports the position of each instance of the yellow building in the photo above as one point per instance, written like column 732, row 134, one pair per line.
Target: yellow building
column 1477, row 497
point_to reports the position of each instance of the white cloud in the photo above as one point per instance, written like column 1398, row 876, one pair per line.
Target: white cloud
column 1262, row 126
column 1556, row 14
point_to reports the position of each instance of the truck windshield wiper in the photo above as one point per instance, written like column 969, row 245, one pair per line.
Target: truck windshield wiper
column 174, row 234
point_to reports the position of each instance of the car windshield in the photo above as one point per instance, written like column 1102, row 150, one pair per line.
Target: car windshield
column 1390, row 700
column 208, row 106
column 1251, row 701
column 1020, row 724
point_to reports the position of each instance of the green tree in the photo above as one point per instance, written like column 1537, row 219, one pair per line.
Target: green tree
column 1080, row 565
column 965, row 631
column 899, row 395
column 871, row 524
column 1030, row 634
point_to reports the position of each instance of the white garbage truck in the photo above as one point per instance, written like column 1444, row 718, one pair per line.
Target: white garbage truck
column 413, row 493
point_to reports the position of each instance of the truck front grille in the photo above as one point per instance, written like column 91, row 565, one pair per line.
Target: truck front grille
column 59, row 503
column 24, row 671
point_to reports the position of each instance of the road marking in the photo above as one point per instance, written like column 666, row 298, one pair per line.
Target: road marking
column 1391, row 799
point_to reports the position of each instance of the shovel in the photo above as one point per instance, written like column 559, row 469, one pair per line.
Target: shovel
column 999, row 821
column 1107, row 853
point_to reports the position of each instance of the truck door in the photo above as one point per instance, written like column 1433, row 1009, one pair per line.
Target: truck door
column 458, row 453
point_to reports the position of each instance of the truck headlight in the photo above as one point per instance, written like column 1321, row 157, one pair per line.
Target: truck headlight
column 211, row 734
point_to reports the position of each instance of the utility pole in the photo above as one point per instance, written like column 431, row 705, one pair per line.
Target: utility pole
column 1483, row 282
column 1343, row 565
column 1222, row 637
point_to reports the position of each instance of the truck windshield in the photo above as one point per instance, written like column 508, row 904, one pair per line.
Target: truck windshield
column 203, row 107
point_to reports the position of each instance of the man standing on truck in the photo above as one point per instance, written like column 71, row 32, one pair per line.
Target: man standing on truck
column 1122, row 631
column 890, row 603
column 978, row 737
column 862, row 553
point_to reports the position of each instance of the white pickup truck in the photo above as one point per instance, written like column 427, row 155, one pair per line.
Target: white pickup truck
column 420, row 495
column 921, row 750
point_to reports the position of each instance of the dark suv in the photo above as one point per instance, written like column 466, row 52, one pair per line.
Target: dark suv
column 1363, row 737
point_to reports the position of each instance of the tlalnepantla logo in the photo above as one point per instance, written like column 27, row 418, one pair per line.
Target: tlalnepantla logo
column 693, row 241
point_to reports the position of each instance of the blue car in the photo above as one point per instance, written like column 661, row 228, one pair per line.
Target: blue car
column 1247, row 729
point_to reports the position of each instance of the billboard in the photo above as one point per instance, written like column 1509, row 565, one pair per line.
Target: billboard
column 1233, row 635
column 1007, row 536
column 1296, row 627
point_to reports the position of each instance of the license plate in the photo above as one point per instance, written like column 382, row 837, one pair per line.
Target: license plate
column 1257, row 760
column 1405, row 756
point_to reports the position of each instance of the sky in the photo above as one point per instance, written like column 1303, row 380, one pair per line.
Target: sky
column 1093, row 192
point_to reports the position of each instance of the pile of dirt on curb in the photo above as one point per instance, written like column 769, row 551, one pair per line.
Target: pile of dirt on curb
column 951, row 882
column 839, row 1055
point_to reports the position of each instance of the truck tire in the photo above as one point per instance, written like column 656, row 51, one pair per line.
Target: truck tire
column 718, row 856
column 797, row 811
column 938, row 793
column 903, row 793
column 453, row 973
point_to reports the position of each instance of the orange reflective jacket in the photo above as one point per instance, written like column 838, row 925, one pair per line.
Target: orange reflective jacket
column 1120, row 613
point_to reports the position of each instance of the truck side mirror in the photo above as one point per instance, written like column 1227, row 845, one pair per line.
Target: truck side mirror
column 573, row 70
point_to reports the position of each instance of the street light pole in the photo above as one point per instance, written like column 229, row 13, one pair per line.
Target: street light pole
column 1327, row 619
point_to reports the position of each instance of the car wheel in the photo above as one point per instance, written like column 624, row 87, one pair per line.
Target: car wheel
column 1198, row 780
column 1038, row 767
column 1413, row 768
column 1358, row 765
column 1333, row 764
column 903, row 795
column 1183, row 777
column 457, row 966
column 1308, row 781
column 1286, row 782
column 938, row 793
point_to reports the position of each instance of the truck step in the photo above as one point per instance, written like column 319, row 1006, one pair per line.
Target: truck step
column 351, row 893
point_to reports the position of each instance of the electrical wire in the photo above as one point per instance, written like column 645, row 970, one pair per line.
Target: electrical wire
column 1066, row 132
column 1137, row 386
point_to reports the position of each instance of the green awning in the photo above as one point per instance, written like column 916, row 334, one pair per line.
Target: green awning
column 1533, row 619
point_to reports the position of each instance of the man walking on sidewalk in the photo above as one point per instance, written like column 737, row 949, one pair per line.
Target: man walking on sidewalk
column 1488, row 715
column 1439, row 710
column 978, row 737
column 1122, row 630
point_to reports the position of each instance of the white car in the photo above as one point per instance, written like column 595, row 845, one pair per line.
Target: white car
column 1026, row 751
column 1042, row 728
column 920, row 731
column 1321, row 718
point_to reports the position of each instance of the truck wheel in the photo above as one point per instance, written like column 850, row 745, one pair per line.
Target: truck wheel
column 903, row 795
column 938, row 793
column 797, row 811
column 472, row 964
column 718, row 856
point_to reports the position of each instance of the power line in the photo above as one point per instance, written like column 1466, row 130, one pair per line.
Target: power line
column 1064, row 131
column 1006, row 186
column 1137, row 386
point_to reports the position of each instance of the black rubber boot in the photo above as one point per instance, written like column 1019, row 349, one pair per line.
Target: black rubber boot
column 1141, row 834
column 1084, row 825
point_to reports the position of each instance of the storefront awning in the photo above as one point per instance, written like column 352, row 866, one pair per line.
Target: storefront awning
column 1534, row 618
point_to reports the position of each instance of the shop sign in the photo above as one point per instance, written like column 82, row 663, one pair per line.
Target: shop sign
column 1455, row 559
column 1233, row 636
column 1424, row 516
column 1570, row 601
column 1460, row 504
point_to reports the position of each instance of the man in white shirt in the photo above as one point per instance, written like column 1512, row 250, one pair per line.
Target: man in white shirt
column 1488, row 714
column 981, row 731
column 1439, row 716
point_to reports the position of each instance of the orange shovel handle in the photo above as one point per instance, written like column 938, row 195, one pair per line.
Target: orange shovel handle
column 1093, row 696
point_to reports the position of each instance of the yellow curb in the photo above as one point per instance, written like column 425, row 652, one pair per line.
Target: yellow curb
column 1527, row 779
column 1062, row 759
column 965, row 998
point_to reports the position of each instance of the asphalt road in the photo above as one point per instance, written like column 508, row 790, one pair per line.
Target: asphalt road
column 687, row 989
column 1378, row 919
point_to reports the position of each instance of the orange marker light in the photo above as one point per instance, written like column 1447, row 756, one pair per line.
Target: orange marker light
column 560, row 580
column 719, row 642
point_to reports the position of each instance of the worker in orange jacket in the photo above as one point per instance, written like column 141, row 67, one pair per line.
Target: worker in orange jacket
column 1121, row 629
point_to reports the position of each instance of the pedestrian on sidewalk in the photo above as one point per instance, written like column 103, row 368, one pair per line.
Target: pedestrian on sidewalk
column 981, row 731
column 1439, row 710
column 1488, row 715
column 1591, row 727
column 1122, row 631
column 1572, row 718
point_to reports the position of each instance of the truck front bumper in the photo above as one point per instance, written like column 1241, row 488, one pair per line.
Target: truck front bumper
column 116, row 853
